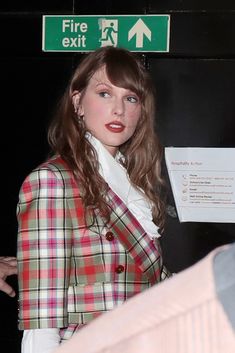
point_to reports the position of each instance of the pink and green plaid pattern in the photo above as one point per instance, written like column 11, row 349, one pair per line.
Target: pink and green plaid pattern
column 68, row 273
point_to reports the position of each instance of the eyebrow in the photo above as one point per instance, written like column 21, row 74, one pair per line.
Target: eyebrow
column 103, row 84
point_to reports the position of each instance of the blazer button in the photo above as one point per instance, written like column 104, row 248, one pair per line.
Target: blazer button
column 119, row 269
column 109, row 236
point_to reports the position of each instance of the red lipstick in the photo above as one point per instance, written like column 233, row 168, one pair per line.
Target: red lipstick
column 115, row 126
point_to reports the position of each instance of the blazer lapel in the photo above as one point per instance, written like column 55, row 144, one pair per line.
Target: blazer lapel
column 145, row 251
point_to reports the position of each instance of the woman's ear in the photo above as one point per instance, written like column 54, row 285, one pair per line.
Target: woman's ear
column 76, row 97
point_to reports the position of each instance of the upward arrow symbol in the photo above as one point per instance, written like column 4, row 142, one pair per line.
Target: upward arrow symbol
column 139, row 29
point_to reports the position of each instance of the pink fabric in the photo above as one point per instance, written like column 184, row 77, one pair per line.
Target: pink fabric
column 180, row 315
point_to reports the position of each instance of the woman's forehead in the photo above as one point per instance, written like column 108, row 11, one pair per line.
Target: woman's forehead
column 122, row 80
column 100, row 75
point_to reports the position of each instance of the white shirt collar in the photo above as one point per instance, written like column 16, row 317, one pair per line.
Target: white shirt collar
column 116, row 177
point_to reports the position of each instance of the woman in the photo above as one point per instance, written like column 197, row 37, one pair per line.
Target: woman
column 89, row 217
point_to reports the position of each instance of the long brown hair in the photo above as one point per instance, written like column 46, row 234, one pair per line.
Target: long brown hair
column 142, row 152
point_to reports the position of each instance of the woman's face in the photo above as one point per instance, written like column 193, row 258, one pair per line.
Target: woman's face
column 110, row 113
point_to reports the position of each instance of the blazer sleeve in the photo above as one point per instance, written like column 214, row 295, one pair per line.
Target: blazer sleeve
column 165, row 273
column 43, row 251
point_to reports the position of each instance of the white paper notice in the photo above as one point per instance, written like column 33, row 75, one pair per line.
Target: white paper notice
column 203, row 183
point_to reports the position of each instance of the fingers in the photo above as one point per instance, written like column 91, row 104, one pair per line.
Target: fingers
column 7, row 268
column 6, row 288
column 9, row 259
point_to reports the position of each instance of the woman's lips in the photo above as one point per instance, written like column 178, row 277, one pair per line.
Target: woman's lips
column 115, row 126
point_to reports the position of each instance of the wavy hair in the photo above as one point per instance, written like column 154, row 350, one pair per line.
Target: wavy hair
column 142, row 152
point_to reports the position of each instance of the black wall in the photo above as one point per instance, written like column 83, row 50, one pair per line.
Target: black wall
column 195, row 85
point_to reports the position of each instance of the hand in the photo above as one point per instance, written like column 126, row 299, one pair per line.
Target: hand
column 8, row 267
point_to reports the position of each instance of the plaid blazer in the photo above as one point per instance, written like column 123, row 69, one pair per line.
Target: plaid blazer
column 70, row 273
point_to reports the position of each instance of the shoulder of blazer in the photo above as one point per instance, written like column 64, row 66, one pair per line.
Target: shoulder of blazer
column 55, row 169
column 58, row 166
column 62, row 173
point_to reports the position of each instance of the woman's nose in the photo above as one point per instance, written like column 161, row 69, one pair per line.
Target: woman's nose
column 119, row 107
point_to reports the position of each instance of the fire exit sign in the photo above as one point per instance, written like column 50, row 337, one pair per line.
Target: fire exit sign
column 144, row 33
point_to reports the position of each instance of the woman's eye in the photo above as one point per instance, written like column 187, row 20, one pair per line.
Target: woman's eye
column 132, row 99
column 104, row 94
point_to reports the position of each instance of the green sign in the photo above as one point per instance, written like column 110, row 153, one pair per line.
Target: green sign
column 144, row 33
